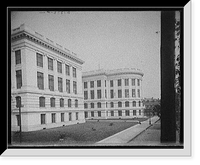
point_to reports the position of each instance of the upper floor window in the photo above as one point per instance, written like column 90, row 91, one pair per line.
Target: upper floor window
column 52, row 102
column 138, row 81
column 98, row 105
column 59, row 67
column 92, row 105
column 119, row 82
column 67, row 70
column 91, row 84
column 133, row 82
column 111, row 83
column 119, row 104
column 85, row 85
column 40, row 80
column 42, row 101
column 51, row 83
column 126, row 82
column 61, row 102
column 98, row 83
column 39, row 59
column 85, row 105
column 60, row 84
column 50, row 63
column 69, row 102
column 134, row 103
column 75, row 87
column 99, row 94
column 111, row 104
column 111, row 93
column 92, row 94
column 18, row 57
column 76, row 103
column 133, row 93
column 19, row 78
column 127, row 104
column 74, row 72
column 138, row 92
column 67, row 86
column 85, row 95
column 126, row 93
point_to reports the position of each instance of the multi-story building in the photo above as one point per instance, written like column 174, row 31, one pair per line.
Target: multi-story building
column 48, row 79
column 113, row 93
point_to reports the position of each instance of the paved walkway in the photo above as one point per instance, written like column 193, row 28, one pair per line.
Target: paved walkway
column 129, row 134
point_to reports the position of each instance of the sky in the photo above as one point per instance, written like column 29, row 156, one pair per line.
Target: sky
column 105, row 39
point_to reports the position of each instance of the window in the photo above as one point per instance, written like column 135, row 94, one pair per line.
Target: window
column 85, row 85
column 91, row 84
column 43, row 118
column 67, row 86
column 119, row 82
column 133, row 82
column 112, row 113
column 134, row 103
column 138, row 82
column 127, row 104
column 85, row 95
column 18, row 120
column 139, row 112
column 92, row 94
column 111, row 83
column 138, row 93
column 50, row 63
column 76, row 115
column 40, row 80
column 59, row 67
column 53, row 117
column 42, row 101
column 99, row 113
column 74, row 72
column 134, row 112
column 133, row 93
column 62, row 116
column 69, row 102
column 76, row 103
column 98, row 83
column 119, row 93
column 85, row 105
column 51, row 83
column 111, row 104
column 126, row 93
column 18, row 57
column 98, row 105
column 39, row 60
column 67, row 70
column 119, row 104
column 126, row 82
column 61, row 102
column 99, row 94
column 92, row 105
column 75, row 87
column 139, row 103
column 60, row 84
column 86, row 114
column 52, row 101
column 70, row 116
column 19, row 78
column 111, row 93
column 119, row 113
column 105, row 83
column 127, row 113
column 92, row 113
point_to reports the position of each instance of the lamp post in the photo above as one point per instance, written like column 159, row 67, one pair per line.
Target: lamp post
column 149, row 116
column 19, row 105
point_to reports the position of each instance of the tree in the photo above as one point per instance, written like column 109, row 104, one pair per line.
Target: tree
column 157, row 109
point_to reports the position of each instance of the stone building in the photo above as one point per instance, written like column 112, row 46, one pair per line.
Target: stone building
column 113, row 93
column 48, row 79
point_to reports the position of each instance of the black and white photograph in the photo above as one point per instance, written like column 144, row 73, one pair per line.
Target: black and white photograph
column 97, row 78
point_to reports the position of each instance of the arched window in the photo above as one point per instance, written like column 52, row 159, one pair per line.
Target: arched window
column 111, row 104
column 98, row 105
column 61, row 102
column 85, row 105
column 127, row 104
column 119, row 104
column 42, row 101
column 52, row 101
column 69, row 102
column 76, row 103
column 134, row 103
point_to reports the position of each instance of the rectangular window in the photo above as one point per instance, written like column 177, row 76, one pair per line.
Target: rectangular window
column 85, row 95
column 18, row 57
column 112, row 113
column 105, row 93
column 92, row 105
column 126, row 82
column 134, row 112
column 67, row 86
column 92, row 113
column 39, row 60
column 74, row 72
column 111, row 93
column 133, row 93
column 60, row 84
column 62, row 117
column 86, row 114
column 91, row 84
column 42, row 101
column 51, row 82
column 133, row 82
column 85, row 85
column 119, row 93
column 119, row 113
column 99, row 94
column 127, row 113
column 98, row 83
column 43, row 118
column 76, row 115
column 76, row 103
column 111, row 83
column 119, row 82
column 61, row 102
column 19, row 78
column 99, row 113
column 70, row 116
column 59, row 67
column 50, row 63
column 52, row 102
column 138, row 81
column 138, row 93
column 67, row 70
column 126, row 93
column 92, row 94
column 53, row 117
column 40, row 80
column 139, row 112
column 75, row 87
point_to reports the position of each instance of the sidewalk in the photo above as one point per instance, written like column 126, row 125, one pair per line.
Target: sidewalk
column 129, row 134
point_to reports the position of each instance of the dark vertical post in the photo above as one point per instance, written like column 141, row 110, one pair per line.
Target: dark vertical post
column 20, row 125
column 168, row 118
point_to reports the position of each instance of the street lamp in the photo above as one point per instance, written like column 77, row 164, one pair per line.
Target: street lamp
column 149, row 116
column 19, row 105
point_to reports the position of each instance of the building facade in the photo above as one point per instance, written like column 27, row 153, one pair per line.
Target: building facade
column 47, row 78
column 113, row 94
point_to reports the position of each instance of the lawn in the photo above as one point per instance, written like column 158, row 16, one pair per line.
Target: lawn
column 85, row 133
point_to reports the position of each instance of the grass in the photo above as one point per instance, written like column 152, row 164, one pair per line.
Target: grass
column 85, row 133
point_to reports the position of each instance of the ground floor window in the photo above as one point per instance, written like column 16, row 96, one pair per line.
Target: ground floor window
column 134, row 112
column 99, row 113
column 119, row 113
column 112, row 113
column 76, row 115
column 62, row 117
column 53, row 117
column 127, row 113
column 70, row 116
column 86, row 114
column 43, row 119
column 139, row 112
column 92, row 113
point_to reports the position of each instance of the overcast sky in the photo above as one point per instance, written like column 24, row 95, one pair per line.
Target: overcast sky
column 110, row 40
